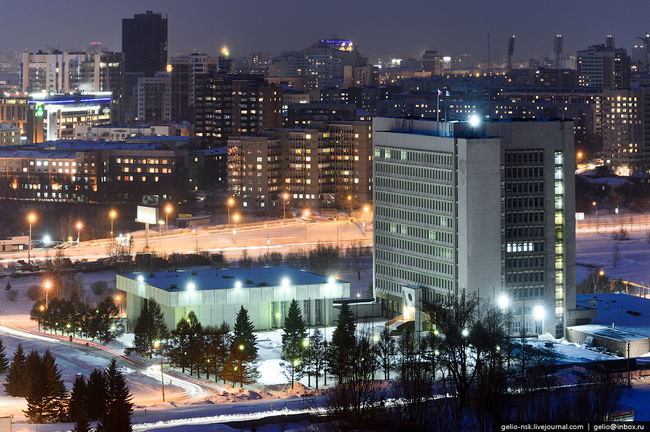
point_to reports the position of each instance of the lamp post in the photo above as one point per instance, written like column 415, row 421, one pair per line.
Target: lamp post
column 112, row 215
column 234, row 231
column 47, row 287
column 366, row 209
column 306, row 217
column 31, row 218
column 156, row 345
column 231, row 201
column 168, row 210
column 79, row 226
column 285, row 198
column 596, row 207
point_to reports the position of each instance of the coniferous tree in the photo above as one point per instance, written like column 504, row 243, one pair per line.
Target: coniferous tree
column 343, row 342
column 386, row 350
column 196, row 344
column 77, row 407
column 4, row 363
column 217, row 348
column 179, row 344
column 315, row 356
column 82, row 424
column 294, row 342
column 55, row 400
column 243, row 352
column 35, row 387
column 117, row 414
column 149, row 327
column 96, row 394
column 15, row 381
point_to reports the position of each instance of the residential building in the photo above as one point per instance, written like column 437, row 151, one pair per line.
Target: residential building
column 432, row 61
column 9, row 135
column 182, row 71
column 216, row 296
column 120, row 133
column 603, row 66
column 486, row 208
column 153, row 98
column 234, row 105
column 144, row 43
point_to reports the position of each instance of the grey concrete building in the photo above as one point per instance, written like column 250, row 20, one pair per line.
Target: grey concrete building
column 487, row 208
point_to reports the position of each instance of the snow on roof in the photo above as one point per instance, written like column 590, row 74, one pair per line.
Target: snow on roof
column 614, row 181
column 227, row 279
column 613, row 309
column 608, row 332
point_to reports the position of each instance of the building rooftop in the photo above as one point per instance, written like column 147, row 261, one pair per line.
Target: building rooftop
column 231, row 278
column 608, row 332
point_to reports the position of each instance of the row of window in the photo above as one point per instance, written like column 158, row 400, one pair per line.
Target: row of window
column 524, row 156
column 417, row 186
column 524, row 232
column 524, row 217
column 523, row 202
column 525, row 262
column 424, row 264
column 429, row 219
column 412, row 278
column 413, row 246
column 525, row 277
column 401, row 200
column 422, row 233
column 419, row 173
column 525, row 187
column 428, row 158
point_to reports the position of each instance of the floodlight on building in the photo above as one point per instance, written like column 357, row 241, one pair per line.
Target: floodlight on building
column 285, row 282
column 140, row 278
column 474, row 120
column 331, row 280
column 238, row 284
column 191, row 286
column 539, row 313
column 47, row 239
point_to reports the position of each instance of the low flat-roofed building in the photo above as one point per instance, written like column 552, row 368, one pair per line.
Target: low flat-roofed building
column 216, row 296
column 624, row 342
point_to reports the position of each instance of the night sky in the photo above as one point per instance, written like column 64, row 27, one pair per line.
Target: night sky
column 379, row 27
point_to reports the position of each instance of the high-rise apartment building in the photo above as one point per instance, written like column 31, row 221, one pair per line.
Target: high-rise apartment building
column 312, row 164
column 153, row 98
column 488, row 209
column 626, row 133
column 232, row 105
column 183, row 71
column 603, row 66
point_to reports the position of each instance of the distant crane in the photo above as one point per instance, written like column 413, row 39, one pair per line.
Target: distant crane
column 511, row 51
column 645, row 39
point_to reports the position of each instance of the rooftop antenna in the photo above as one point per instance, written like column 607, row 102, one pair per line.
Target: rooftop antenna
column 645, row 39
column 557, row 49
column 511, row 51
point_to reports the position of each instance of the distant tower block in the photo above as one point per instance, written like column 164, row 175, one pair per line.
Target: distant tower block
column 609, row 42
column 511, row 51
column 557, row 49
column 645, row 39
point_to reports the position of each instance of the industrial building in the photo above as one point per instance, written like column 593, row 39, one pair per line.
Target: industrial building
column 216, row 296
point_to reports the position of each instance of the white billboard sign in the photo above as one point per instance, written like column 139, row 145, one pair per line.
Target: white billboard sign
column 147, row 215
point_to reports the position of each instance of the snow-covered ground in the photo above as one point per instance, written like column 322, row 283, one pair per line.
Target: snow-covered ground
column 215, row 402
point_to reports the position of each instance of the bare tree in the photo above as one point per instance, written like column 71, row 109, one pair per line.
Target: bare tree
column 359, row 257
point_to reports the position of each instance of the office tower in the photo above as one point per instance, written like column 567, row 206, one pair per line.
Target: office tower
column 153, row 98
column 603, row 66
column 144, row 43
column 486, row 208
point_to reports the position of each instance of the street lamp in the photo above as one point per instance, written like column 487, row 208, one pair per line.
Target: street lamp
column 285, row 198
column 596, row 207
column 168, row 210
column 306, row 218
column 156, row 345
column 79, row 226
column 47, row 286
column 234, row 231
column 538, row 314
column 366, row 209
column 31, row 218
column 231, row 201
column 112, row 215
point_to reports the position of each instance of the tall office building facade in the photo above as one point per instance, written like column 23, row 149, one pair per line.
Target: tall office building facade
column 144, row 46
column 144, row 43
column 486, row 209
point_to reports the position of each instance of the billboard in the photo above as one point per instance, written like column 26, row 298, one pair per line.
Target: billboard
column 147, row 215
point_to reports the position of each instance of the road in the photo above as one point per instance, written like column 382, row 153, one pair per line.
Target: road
column 257, row 238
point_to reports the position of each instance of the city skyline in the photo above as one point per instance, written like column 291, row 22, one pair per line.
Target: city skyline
column 382, row 29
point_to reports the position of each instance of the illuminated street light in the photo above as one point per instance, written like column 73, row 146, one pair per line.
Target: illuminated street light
column 503, row 302
column 230, row 202
column 285, row 197
column 79, row 226
column 465, row 332
column 539, row 313
column 168, row 210
column 47, row 287
column 474, row 121
column 31, row 218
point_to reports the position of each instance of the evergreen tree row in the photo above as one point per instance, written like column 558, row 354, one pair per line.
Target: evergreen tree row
column 104, row 396
column 73, row 316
